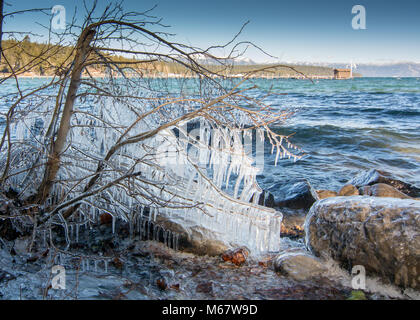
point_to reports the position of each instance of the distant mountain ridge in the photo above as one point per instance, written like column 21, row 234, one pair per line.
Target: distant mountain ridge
column 389, row 69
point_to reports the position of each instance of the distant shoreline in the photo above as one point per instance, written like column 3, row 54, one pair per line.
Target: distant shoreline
column 179, row 76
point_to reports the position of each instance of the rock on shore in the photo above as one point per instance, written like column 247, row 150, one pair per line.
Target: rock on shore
column 299, row 265
column 383, row 190
column 381, row 234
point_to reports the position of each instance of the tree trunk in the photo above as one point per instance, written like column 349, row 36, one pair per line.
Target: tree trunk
column 53, row 164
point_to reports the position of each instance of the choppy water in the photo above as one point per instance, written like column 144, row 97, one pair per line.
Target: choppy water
column 343, row 125
column 349, row 125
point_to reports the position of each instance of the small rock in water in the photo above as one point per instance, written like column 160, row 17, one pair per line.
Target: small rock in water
column 237, row 256
column 297, row 194
column 371, row 177
column 348, row 190
column 322, row 194
column 383, row 190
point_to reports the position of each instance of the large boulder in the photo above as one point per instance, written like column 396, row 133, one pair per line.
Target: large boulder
column 381, row 234
column 296, row 194
column 371, row 177
column 299, row 265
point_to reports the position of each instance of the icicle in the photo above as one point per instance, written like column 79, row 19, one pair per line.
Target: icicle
column 77, row 233
column 165, row 236
column 277, row 156
column 113, row 224
column 176, row 242
column 155, row 214
column 45, row 237
column 169, row 239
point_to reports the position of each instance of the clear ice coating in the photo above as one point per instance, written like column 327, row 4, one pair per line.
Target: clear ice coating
column 205, row 178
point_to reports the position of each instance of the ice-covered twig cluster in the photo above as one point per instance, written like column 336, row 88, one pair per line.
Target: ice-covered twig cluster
column 141, row 159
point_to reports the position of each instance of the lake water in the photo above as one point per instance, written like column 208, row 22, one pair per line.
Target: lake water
column 344, row 126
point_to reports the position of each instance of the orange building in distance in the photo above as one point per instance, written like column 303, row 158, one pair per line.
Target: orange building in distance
column 342, row 74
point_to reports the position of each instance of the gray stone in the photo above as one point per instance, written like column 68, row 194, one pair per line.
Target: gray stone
column 383, row 190
column 299, row 265
column 371, row 177
column 381, row 234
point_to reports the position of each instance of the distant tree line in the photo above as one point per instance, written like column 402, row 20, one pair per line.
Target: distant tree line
column 30, row 55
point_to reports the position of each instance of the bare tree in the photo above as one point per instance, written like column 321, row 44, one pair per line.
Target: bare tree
column 86, row 143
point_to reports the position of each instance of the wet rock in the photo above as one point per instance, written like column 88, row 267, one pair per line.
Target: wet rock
column 371, row 177
column 194, row 238
column 383, row 190
column 348, row 190
column 299, row 265
column 266, row 199
column 236, row 256
column 323, row 194
column 295, row 194
column 381, row 234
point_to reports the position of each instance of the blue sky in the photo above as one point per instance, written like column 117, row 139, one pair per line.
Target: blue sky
column 294, row 31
